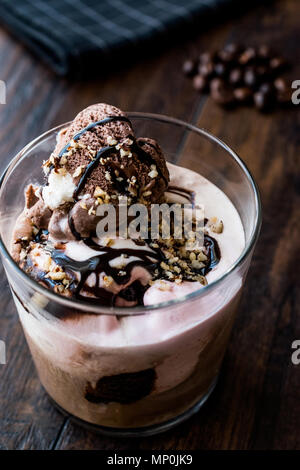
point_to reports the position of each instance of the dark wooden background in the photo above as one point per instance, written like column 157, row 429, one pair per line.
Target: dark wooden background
column 256, row 403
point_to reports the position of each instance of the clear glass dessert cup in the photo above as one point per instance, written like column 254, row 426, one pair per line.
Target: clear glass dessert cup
column 167, row 363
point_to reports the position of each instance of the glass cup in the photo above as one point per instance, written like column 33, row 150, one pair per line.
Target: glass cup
column 141, row 370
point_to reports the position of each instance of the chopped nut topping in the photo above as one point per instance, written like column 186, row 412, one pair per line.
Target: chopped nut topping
column 56, row 276
column 99, row 192
column 78, row 171
column 63, row 160
column 197, row 264
column 61, row 171
column 108, row 280
column 76, row 144
column 154, row 245
column 153, row 174
column 163, row 286
column 201, row 256
column 164, row 266
column 127, row 141
column 59, row 288
column 83, row 205
column 47, row 263
column 215, row 225
column 91, row 211
column 111, row 140
column 107, row 241
column 169, row 274
column 91, row 152
column 125, row 153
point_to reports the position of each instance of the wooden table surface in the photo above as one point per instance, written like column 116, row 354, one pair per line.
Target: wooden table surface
column 256, row 403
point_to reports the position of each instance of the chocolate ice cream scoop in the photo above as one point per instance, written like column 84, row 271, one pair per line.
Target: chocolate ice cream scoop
column 98, row 155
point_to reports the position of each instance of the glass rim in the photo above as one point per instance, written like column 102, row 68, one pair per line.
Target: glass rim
column 140, row 309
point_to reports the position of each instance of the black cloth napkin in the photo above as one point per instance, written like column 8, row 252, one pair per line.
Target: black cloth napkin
column 85, row 37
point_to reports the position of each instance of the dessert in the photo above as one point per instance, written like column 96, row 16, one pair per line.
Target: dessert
column 110, row 369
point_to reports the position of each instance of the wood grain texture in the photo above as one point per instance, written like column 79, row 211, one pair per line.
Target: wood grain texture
column 256, row 404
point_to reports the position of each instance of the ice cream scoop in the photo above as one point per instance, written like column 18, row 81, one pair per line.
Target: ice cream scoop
column 98, row 155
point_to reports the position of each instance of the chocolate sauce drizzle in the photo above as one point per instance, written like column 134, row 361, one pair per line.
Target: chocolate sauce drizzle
column 213, row 251
column 188, row 194
column 101, row 263
column 147, row 259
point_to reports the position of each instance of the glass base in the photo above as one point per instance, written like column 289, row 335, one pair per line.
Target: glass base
column 140, row 431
